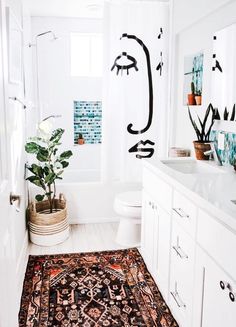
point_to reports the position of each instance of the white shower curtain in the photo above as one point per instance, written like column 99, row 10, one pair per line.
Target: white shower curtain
column 136, row 47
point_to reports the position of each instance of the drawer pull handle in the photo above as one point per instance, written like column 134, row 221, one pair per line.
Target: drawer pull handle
column 232, row 296
column 180, row 212
column 177, row 299
column 180, row 252
column 224, row 285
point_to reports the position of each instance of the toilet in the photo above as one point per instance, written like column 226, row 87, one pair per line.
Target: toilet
column 129, row 207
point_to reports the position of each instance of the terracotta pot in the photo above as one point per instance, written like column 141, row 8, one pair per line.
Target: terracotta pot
column 80, row 141
column 200, row 148
column 198, row 99
column 191, row 100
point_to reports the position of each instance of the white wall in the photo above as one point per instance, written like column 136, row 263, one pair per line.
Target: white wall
column 190, row 40
column 58, row 89
column 188, row 12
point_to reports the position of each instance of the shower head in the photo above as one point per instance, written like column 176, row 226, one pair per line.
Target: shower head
column 54, row 37
column 47, row 32
column 52, row 116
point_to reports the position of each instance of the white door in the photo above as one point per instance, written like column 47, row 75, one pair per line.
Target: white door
column 11, row 180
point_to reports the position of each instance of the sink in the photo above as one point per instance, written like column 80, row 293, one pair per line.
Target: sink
column 192, row 166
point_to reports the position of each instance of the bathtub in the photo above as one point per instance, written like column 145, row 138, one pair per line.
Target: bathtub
column 89, row 200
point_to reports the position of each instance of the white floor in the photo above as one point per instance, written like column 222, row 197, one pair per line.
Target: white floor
column 83, row 238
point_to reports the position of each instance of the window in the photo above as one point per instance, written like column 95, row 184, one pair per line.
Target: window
column 86, row 54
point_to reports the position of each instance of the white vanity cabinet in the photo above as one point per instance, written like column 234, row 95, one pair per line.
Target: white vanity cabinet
column 182, row 258
column 189, row 252
column 215, row 291
column 215, row 294
column 155, row 240
column 149, row 233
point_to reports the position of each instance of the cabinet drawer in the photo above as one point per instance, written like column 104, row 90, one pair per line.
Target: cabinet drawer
column 182, row 275
column 158, row 188
column 218, row 241
column 185, row 213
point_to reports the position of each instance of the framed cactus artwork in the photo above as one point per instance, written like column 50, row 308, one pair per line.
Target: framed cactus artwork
column 193, row 76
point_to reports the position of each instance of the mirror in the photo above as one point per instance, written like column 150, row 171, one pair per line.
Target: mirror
column 223, row 85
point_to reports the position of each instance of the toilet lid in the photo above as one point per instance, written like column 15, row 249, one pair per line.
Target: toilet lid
column 130, row 199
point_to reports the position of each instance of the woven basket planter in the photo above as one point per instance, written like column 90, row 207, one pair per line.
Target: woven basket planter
column 47, row 228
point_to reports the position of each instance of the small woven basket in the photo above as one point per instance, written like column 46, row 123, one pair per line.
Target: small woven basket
column 40, row 215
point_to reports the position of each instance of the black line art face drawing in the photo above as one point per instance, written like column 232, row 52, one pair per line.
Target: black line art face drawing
column 136, row 148
column 147, row 152
column 160, row 34
column 121, row 67
column 160, row 65
column 148, row 62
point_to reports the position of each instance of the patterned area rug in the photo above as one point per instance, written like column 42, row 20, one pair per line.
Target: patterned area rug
column 111, row 288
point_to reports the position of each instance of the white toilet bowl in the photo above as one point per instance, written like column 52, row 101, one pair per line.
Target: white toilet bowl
column 129, row 206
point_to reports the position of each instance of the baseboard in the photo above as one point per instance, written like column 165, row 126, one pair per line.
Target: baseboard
column 94, row 220
column 22, row 263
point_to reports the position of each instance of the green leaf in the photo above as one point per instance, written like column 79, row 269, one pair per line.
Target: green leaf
column 194, row 125
column 216, row 114
column 35, row 138
column 50, row 178
column 37, row 170
column 39, row 197
column 209, row 109
column 46, row 170
column 233, row 114
column 65, row 164
column 56, row 135
column 34, row 180
column 226, row 114
column 31, row 147
column 66, row 155
column 42, row 155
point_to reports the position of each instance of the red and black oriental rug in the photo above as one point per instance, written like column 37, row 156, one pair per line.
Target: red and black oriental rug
column 111, row 288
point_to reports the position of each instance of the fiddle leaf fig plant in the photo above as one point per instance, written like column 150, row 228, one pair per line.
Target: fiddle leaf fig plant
column 50, row 165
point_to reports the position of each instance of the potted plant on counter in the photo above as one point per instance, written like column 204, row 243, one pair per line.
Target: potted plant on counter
column 202, row 144
column 48, row 223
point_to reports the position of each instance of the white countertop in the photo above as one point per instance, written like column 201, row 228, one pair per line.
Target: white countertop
column 212, row 192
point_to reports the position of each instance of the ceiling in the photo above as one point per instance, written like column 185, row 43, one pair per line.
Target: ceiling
column 66, row 8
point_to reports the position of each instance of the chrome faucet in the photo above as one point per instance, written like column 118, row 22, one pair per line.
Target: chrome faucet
column 215, row 154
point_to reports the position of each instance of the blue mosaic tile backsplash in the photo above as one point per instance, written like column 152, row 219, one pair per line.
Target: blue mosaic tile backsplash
column 228, row 155
column 88, row 121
